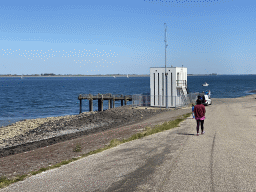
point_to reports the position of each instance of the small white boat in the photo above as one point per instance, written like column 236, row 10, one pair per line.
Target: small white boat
column 114, row 76
column 205, row 84
column 127, row 76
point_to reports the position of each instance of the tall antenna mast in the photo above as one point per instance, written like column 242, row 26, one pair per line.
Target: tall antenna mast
column 165, row 40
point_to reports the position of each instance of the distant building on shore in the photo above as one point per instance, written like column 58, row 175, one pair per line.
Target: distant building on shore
column 176, row 86
column 47, row 74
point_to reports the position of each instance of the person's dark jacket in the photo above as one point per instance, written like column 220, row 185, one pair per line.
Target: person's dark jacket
column 199, row 110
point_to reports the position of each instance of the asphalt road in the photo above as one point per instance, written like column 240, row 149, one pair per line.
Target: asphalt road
column 223, row 159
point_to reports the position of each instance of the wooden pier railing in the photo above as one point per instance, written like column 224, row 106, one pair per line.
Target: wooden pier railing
column 101, row 97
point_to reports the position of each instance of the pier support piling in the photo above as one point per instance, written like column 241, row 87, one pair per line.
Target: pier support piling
column 90, row 104
column 125, row 100
column 100, row 103
column 122, row 101
column 113, row 102
column 109, row 104
column 80, row 106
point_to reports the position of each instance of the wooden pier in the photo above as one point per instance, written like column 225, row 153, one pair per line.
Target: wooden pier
column 101, row 97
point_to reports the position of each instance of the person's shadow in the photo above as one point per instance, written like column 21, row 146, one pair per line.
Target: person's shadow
column 185, row 134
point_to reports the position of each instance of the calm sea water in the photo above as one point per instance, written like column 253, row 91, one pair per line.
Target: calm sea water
column 34, row 97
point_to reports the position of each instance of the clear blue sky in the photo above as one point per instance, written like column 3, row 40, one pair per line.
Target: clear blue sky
column 127, row 36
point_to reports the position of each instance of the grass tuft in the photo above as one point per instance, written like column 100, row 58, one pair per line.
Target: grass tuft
column 65, row 162
column 114, row 142
column 2, row 179
column 43, row 169
column 77, row 148
column 4, row 182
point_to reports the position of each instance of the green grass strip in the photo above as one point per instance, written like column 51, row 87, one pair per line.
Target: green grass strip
column 4, row 182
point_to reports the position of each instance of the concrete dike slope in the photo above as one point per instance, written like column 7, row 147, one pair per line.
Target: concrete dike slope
column 223, row 159
column 35, row 133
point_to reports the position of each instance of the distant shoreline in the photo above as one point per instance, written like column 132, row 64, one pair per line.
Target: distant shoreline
column 110, row 75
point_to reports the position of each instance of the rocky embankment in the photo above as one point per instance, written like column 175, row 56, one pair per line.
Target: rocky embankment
column 30, row 134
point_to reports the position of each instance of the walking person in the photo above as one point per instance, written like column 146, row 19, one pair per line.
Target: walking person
column 199, row 111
